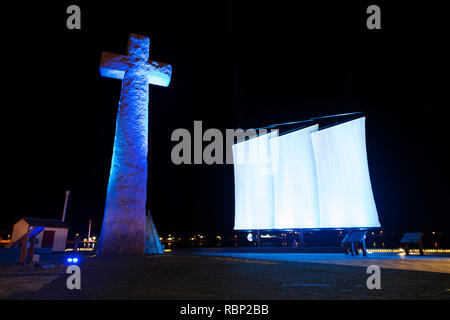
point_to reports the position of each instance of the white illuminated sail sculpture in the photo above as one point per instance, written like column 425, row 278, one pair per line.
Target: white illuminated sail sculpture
column 306, row 179
column 345, row 192
column 253, row 184
column 296, row 201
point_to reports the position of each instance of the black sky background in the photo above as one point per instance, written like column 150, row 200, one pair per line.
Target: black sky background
column 235, row 64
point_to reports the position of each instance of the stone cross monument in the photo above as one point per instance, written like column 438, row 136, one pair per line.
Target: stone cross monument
column 124, row 221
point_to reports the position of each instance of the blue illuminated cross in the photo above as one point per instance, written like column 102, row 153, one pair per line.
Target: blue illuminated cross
column 124, row 221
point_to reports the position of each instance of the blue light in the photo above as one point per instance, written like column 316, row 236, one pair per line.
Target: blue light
column 72, row 260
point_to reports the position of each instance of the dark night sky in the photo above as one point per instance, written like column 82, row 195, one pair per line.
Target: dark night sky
column 234, row 65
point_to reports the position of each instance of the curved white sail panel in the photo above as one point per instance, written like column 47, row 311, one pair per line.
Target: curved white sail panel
column 345, row 193
column 253, row 184
column 296, row 203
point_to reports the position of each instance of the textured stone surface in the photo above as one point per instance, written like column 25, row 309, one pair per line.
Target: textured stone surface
column 124, row 222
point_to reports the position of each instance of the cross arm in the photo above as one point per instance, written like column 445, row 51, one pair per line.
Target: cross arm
column 158, row 73
column 114, row 66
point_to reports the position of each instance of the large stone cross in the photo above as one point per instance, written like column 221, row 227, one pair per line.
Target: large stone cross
column 123, row 230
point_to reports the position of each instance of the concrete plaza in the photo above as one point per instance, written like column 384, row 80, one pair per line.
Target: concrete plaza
column 282, row 276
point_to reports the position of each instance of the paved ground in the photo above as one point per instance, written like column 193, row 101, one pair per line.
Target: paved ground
column 394, row 261
column 17, row 281
column 193, row 277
